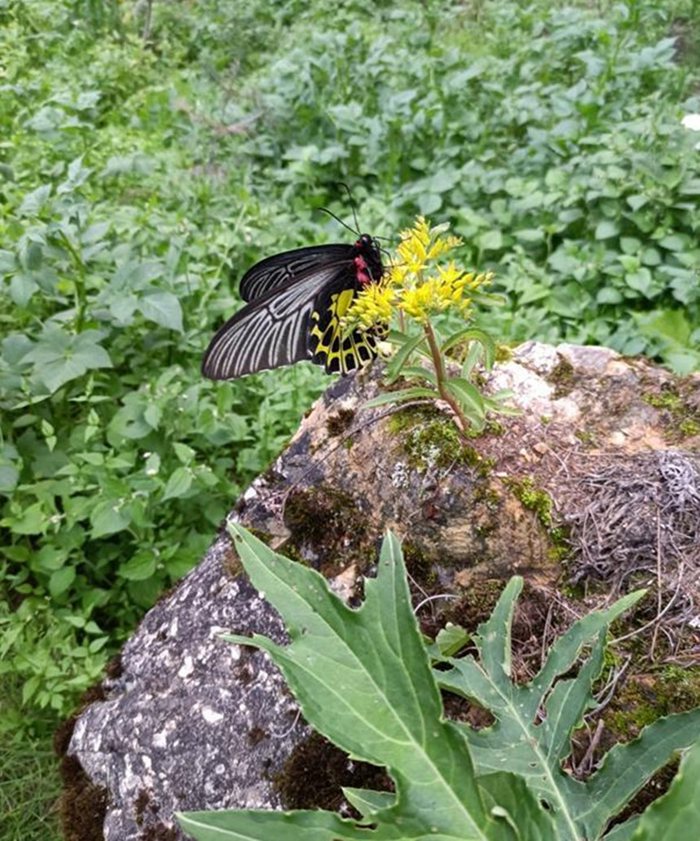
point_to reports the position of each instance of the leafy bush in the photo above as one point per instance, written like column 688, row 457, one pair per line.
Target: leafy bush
column 117, row 462
column 363, row 679
column 550, row 139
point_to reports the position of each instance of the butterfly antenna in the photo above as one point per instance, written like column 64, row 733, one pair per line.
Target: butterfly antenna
column 352, row 204
column 337, row 219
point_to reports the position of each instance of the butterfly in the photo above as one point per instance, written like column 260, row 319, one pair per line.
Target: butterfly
column 295, row 301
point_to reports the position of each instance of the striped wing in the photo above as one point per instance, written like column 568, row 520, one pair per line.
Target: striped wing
column 328, row 347
column 272, row 330
column 288, row 267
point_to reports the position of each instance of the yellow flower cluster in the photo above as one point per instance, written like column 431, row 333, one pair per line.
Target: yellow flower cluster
column 450, row 288
column 414, row 283
column 421, row 244
column 374, row 305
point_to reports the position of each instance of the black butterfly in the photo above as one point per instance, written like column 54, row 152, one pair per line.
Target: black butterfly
column 295, row 302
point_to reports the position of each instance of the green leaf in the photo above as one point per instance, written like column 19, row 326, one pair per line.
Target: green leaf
column 129, row 422
column 163, row 308
column 418, row 372
column 490, row 241
column 529, row 235
column 9, row 476
column 108, row 517
column 429, row 203
column 508, row 795
column 468, row 397
column 637, row 202
column 184, row 453
column 362, row 678
column 675, row 242
column 626, row 768
column 60, row 357
column 451, row 638
column 609, row 295
column 403, row 394
column 33, row 520
column 266, row 826
column 606, row 229
column 152, row 415
column 369, row 803
column 676, row 813
column 470, row 334
column 623, row 831
column 22, row 288
column 641, row 281
column 178, row 484
column 393, row 370
column 531, row 750
column 35, row 200
column 49, row 558
column 140, row 566
column 471, row 359
column 89, row 352
column 61, row 580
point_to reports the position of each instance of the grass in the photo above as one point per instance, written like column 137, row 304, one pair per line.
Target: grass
column 29, row 781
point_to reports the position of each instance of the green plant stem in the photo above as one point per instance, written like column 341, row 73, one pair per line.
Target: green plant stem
column 441, row 376
column 78, row 282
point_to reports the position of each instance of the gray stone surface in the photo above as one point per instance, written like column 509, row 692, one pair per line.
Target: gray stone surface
column 192, row 720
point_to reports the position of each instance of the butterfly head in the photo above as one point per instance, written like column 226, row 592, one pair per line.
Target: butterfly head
column 367, row 260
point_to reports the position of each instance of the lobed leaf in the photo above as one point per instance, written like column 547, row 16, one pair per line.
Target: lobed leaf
column 532, row 733
column 676, row 813
column 363, row 679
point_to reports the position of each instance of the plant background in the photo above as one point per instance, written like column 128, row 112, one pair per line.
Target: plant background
column 147, row 159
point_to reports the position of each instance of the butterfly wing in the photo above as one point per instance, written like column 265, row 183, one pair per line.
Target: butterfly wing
column 283, row 269
column 272, row 330
column 295, row 303
column 328, row 347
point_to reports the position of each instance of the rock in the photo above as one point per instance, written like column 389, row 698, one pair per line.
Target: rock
column 191, row 721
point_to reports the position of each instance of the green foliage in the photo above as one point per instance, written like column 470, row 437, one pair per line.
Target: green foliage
column 548, row 135
column 423, row 287
column 116, row 461
column 677, row 812
column 363, row 679
column 468, row 405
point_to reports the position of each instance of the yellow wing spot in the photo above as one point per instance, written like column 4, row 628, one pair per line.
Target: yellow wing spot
column 341, row 303
column 327, row 346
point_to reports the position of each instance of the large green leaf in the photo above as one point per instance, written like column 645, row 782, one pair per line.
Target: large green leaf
column 627, row 767
column 676, row 815
column 363, row 679
column 60, row 357
column 531, row 735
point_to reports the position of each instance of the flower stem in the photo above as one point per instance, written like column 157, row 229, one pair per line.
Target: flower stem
column 441, row 376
